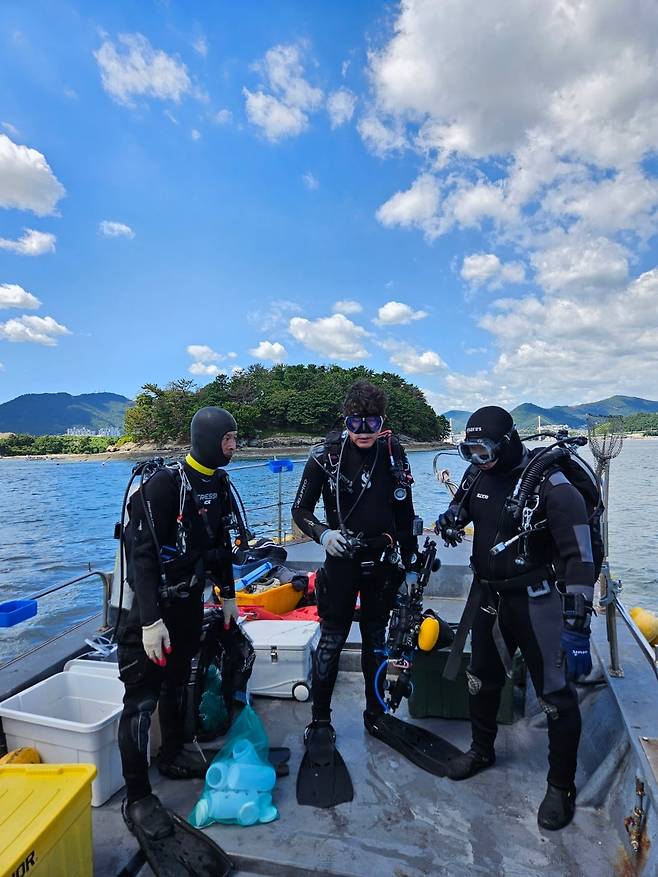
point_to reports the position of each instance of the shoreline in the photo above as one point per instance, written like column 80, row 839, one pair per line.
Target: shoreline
column 247, row 453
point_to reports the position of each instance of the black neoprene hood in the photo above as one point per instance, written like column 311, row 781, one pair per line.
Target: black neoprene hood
column 493, row 422
column 208, row 428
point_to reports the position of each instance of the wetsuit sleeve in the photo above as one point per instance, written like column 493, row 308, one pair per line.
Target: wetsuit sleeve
column 144, row 566
column 308, row 494
column 461, row 501
column 221, row 565
column 566, row 514
column 404, row 520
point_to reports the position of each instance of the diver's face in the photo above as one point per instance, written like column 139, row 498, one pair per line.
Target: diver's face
column 364, row 439
column 229, row 444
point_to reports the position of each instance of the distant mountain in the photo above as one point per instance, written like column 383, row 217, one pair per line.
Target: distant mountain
column 526, row 415
column 54, row 413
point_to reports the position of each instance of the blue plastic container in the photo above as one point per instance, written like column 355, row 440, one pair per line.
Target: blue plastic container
column 14, row 611
column 253, row 576
column 279, row 465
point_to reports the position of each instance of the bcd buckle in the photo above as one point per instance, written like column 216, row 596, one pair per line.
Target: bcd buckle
column 538, row 590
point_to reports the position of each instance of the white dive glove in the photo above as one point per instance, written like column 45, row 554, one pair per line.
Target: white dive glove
column 230, row 607
column 156, row 641
column 333, row 543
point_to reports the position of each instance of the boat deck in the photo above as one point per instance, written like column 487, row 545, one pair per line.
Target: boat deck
column 404, row 822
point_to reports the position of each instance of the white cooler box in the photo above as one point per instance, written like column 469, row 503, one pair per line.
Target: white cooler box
column 71, row 718
column 284, row 655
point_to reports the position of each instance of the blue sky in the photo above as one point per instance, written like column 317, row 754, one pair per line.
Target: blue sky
column 465, row 196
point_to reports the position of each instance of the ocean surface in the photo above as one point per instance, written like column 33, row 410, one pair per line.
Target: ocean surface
column 58, row 520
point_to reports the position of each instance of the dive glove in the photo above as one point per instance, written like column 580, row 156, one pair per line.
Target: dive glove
column 231, row 611
column 156, row 642
column 577, row 611
column 449, row 528
column 334, row 543
column 577, row 654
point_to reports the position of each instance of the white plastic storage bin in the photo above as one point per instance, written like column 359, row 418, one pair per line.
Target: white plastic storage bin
column 284, row 654
column 71, row 718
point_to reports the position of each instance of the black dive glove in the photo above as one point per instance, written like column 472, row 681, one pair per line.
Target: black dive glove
column 449, row 528
column 577, row 613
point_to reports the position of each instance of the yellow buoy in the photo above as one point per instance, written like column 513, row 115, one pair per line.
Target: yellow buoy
column 428, row 635
column 24, row 755
column 647, row 623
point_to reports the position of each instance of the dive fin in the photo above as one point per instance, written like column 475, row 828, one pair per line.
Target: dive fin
column 323, row 779
column 420, row 746
column 184, row 851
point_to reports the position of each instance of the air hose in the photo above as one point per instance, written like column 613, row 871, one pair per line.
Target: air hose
column 531, row 476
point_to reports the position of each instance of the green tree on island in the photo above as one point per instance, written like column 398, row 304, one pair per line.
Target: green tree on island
column 285, row 398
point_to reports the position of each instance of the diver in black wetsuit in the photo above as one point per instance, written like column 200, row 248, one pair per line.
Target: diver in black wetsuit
column 518, row 604
column 356, row 472
column 189, row 513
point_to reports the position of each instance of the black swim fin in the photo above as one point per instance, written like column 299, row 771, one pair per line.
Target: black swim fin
column 420, row 746
column 323, row 779
column 171, row 846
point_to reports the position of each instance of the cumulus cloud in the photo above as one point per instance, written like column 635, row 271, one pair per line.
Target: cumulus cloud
column 414, row 208
column 14, row 296
column 135, row 69
column 539, row 134
column 110, row 229
column 204, row 359
column 486, row 268
column 273, row 351
column 340, row 106
column 31, row 243
column 397, row 313
column 281, row 107
column 335, row 337
column 347, row 306
column 381, row 136
column 310, row 181
column 37, row 330
column 411, row 360
column 26, row 179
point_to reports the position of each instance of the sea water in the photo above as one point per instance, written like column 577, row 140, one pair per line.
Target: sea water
column 58, row 520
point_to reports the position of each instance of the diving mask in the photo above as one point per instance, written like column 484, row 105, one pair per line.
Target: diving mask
column 364, row 423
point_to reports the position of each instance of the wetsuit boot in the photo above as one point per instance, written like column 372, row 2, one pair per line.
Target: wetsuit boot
column 462, row 767
column 557, row 808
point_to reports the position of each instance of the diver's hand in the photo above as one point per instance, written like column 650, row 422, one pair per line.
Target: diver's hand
column 575, row 647
column 156, row 642
column 448, row 528
column 231, row 611
column 333, row 543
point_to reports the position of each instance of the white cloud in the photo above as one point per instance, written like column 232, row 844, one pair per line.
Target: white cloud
column 204, row 359
column 137, row 69
column 26, row 180
column 110, row 229
column 14, row 296
column 411, row 360
column 31, row 243
column 581, row 265
column 269, row 350
column 283, row 110
column 37, row 330
column 204, row 353
column 222, row 117
column 381, row 137
column 11, row 129
column 310, row 181
column 486, row 268
column 200, row 46
column 195, row 134
column 232, row 354
column 205, row 368
column 335, row 337
column 277, row 314
column 340, row 106
column 397, row 313
column 415, row 208
column 347, row 306
column 578, row 349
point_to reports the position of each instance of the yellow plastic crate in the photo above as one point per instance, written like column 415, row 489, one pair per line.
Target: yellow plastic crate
column 278, row 599
column 45, row 820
